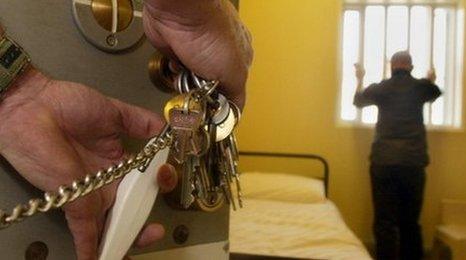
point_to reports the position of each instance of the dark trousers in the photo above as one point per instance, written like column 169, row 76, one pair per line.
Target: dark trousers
column 397, row 193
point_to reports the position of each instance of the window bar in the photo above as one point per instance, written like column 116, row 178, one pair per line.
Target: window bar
column 362, row 21
column 409, row 28
column 458, row 60
column 449, row 83
column 450, row 111
column 385, row 54
column 431, row 59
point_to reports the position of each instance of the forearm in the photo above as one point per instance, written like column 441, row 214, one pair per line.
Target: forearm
column 358, row 95
column 359, row 85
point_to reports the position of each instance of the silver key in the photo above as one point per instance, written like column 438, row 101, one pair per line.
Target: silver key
column 187, row 182
column 226, row 177
column 232, row 158
column 223, row 118
column 222, row 111
column 225, row 128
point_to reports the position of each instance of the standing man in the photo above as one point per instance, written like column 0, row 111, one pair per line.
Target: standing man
column 399, row 156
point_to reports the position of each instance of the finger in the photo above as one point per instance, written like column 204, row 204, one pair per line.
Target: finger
column 167, row 178
column 138, row 122
column 149, row 235
column 84, row 227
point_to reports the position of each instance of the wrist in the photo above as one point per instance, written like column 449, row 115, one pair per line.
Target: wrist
column 360, row 85
column 24, row 89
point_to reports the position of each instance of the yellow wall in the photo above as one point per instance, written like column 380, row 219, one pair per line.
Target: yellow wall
column 293, row 103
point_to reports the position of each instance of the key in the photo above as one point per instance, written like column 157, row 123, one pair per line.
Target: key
column 178, row 102
column 203, row 179
column 232, row 158
column 234, row 147
column 226, row 177
column 199, row 143
column 185, row 125
column 225, row 128
column 224, row 159
column 187, row 182
column 232, row 166
column 212, row 163
column 208, row 197
column 223, row 108
column 223, row 118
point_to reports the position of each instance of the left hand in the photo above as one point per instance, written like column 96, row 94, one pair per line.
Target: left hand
column 360, row 72
column 54, row 132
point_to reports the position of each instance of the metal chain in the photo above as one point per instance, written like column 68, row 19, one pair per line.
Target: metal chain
column 90, row 183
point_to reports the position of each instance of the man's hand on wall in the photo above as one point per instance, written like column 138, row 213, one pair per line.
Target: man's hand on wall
column 206, row 36
column 54, row 132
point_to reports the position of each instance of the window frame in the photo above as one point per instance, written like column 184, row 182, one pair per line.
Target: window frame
column 457, row 67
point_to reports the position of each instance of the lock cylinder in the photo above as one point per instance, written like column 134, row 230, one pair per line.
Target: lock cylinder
column 113, row 15
column 110, row 25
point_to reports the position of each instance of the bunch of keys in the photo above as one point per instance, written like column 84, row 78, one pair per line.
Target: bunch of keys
column 204, row 145
column 198, row 136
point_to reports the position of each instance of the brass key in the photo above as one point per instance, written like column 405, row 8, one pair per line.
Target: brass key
column 185, row 126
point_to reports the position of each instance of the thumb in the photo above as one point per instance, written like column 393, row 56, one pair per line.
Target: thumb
column 138, row 122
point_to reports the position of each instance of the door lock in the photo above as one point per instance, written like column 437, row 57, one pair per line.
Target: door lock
column 110, row 25
column 111, row 18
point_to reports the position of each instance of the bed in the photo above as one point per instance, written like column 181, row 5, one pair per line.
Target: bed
column 288, row 216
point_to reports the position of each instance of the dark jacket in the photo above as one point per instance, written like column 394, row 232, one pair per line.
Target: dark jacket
column 400, row 132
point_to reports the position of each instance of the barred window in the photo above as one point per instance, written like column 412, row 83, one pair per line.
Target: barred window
column 432, row 33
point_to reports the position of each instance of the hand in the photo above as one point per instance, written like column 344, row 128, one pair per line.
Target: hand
column 360, row 72
column 432, row 75
column 53, row 132
column 206, row 36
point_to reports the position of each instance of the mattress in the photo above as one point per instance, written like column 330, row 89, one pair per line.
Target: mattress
column 273, row 226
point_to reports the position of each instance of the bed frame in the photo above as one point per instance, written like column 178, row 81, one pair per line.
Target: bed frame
column 313, row 157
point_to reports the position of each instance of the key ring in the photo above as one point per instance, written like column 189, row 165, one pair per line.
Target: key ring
column 236, row 111
column 185, row 83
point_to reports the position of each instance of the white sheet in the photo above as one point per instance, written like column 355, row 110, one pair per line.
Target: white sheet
column 282, row 187
column 287, row 229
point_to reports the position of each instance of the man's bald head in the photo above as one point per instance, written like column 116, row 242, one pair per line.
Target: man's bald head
column 402, row 61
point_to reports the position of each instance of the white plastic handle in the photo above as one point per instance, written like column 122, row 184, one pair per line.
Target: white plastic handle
column 134, row 200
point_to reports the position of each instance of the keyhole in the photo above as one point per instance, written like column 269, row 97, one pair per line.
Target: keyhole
column 36, row 251
column 113, row 15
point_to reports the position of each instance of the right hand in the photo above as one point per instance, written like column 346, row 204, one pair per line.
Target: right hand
column 360, row 72
column 432, row 75
column 207, row 36
column 54, row 132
